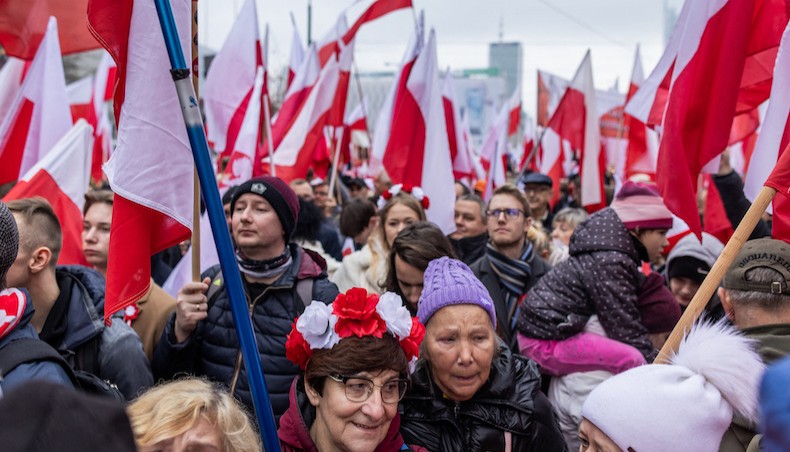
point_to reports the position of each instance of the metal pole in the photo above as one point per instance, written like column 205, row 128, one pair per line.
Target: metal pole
column 309, row 22
column 197, row 140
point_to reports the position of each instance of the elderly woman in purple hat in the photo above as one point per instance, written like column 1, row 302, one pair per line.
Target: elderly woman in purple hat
column 469, row 392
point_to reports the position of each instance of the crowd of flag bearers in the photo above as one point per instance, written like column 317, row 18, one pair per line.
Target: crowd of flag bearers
column 393, row 289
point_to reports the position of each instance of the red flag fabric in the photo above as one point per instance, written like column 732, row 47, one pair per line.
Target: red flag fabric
column 714, row 220
column 551, row 88
column 11, row 76
column 711, row 80
column 23, row 24
column 40, row 115
column 459, row 152
column 642, row 149
column 62, row 178
column 151, row 170
column 338, row 111
column 303, row 84
column 378, row 9
column 242, row 160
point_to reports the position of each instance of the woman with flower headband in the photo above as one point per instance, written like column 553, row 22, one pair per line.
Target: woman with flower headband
column 354, row 355
column 399, row 207
column 469, row 392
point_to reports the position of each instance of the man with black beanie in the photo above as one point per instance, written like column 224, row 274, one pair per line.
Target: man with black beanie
column 280, row 279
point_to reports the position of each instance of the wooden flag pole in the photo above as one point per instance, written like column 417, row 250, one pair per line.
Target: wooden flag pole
column 267, row 117
column 711, row 283
column 195, row 242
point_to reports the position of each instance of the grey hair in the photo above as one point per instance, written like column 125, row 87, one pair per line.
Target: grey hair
column 476, row 199
column 571, row 216
column 772, row 302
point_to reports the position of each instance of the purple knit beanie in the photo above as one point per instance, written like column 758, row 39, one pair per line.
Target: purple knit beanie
column 639, row 205
column 449, row 282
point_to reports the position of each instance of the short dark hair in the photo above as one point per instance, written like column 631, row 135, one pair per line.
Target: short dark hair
column 355, row 217
column 41, row 225
column 512, row 190
column 417, row 245
column 308, row 225
column 353, row 355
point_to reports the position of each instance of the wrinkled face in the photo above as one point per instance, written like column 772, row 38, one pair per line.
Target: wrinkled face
column 654, row 241
column 398, row 217
column 256, row 228
column 321, row 193
column 592, row 439
column 507, row 231
column 343, row 425
column 538, row 195
column 683, row 289
column 18, row 274
column 96, row 235
column 201, row 437
column 562, row 231
column 410, row 281
column 468, row 220
column 459, row 345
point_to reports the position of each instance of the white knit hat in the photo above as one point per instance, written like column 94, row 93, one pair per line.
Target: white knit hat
column 686, row 405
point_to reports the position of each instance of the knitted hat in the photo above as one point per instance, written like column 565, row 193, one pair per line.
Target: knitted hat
column 9, row 241
column 283, row 200
column 687, row 404
column 766, row 253
column 775, row 407
column 640, row 206
column 449, row 282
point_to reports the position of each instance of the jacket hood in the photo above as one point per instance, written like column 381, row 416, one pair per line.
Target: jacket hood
column 689, row 246
column 603, row 231
column 294, row 431
column 86, row 304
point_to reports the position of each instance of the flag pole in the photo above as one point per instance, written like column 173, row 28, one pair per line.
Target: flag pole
column 711, row 282
column 336, row 158
column 268, row 119
column 197, row 140
column 195, row 242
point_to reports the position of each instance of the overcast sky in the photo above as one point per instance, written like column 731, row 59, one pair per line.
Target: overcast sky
column 554, row 33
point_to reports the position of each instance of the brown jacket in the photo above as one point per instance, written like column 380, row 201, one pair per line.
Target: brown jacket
column 155, row 308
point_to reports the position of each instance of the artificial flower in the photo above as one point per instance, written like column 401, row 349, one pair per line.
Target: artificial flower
column 356, row 314
column 297, row 349
column 395, row 314
column 411, row 344
column 317, row 326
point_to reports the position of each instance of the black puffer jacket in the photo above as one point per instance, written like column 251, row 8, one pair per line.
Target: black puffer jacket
column 213, row 347
column 601, row 277
column 509, row 408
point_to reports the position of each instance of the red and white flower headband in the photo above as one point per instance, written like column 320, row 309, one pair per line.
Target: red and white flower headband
column 354, row 313
column 415, row 191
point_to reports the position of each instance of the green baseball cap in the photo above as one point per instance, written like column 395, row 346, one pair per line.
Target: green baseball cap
column 767, row 253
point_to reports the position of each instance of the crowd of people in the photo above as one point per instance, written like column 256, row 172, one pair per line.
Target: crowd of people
column 531, row 327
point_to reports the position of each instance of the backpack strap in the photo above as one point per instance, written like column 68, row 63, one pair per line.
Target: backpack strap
column 29, row 350
column 304, row 294
column 214, row 288
column 86, row 357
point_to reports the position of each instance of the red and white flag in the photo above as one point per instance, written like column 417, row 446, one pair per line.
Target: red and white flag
column 79, row 94
column 328, row 46
column 305, row 80
column 462, row 161
column 504, row 126
column 720, row 71
column 493, row 154
column 62, row 178
column 378, row 9
column 574, row 128
column 294, row 154
column 551, row 88
column 345, row 61
column 528, row 156
column 11, row 76
column 151, row 170
column 23, row 24
column 641, row 151
column 40, row 114
column 297, row 53
column 242, row 160
column 230, row 79
column 770, row 163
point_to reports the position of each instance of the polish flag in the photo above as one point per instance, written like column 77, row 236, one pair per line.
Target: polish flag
column 151, row 170
column 62, row 178
column 328, row 44
column 230, row 79
column 514, row 115
column 770, row 163
column 715, row 220
column 641, row 151
column 40, row 114
column 418, row 151
column 345, row 60
column 551, row 88
column 79, row 95
column 23, row 25
column 385, row 120
column 356, row 122
column 505, row 125
column 378, row 9
column 294, row 155
column 528, row 157
column 297, row 53
column 462, row 161
column 11, row 75
column 574, row 127
column 242, row 160
column 721, row 70
column 493, row 153
column 301, row 88
column 101, row 94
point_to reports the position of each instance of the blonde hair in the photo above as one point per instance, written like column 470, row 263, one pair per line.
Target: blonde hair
column 168, row 410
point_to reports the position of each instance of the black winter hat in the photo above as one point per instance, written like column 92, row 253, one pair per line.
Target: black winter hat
column 9, row 241
column 282, row 198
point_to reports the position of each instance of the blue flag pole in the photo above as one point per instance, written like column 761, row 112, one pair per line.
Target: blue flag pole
column 238, row 302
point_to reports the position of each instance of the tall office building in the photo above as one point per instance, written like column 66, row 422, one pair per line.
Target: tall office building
column 507, row 58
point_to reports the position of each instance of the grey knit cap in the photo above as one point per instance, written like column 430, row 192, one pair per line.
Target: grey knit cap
column 449, row 282
column 9, row 241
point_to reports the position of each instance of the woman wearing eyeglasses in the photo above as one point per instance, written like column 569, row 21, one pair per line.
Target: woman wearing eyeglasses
column 469, row 391
column 354, row 355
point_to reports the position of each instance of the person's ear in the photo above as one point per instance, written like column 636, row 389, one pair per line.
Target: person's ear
column 373, row 222
column 726, row 303
column 40, row 259
column 312, row 395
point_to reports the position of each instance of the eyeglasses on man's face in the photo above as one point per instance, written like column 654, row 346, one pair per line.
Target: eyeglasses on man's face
column 509, row 213
column 359, row 389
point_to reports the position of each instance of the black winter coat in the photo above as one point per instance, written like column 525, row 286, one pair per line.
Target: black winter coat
column 602, row 276
column 213, row 347
column 510, row 405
